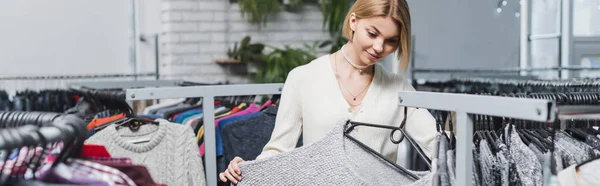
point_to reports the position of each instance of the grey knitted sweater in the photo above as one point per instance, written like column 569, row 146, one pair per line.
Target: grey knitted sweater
column 171, row 154
column 333, row 160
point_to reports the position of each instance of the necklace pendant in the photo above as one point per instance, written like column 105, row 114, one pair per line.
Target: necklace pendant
column 360, row 71
column 354, row 99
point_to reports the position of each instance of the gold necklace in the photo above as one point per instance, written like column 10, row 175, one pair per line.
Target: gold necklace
column 340, row 84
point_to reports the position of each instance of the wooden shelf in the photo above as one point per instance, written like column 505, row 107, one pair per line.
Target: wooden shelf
column 228, row 61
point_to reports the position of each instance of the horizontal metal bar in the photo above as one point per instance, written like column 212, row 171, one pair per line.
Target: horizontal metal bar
column 528, row 109
column 125, row 84
column 578, row 109
column 202, row 91
column 586, row 39
column 425, row 70
column 52, row 77
column 579, row 116
column 544, row 36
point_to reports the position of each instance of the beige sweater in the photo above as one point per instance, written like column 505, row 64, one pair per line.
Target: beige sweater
column 312, row 103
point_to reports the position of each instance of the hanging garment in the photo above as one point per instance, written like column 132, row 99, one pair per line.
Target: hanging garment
column 593, row 141
column 488, row 162
column 558, row 160
column 101, row 121
column 246, row 138
column 81, row 172
column 451, row 166
column 503, row 164
column 251, row 109
column 167, row 112
column 170, row 103
column 182, row 116
column 568, row 157
column 586, row 175
column 93, row 150
column 442, row 162
column 104, row 160
column 528, row 167
column 171, row 154
column 476, row 168
column 196, row 124
column 333, row 160
column 538, row 153
column 589, row 151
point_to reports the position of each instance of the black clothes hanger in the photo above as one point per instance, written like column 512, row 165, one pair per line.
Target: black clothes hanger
column 586, row 162
column 275, row 99
column 350, row 126
column 577, row 134
column 134, row 123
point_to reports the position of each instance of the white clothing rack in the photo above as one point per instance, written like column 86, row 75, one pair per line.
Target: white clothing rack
column 126, row 84
column 208, row 93
column 465, row 105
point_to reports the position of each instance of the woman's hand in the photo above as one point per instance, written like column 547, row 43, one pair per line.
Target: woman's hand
column 233, row 172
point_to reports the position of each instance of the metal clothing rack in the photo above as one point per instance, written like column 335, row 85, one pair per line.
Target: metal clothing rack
column 208, row 93
column 58, row 77
column 499, row 71
column 465, row 105
column 126, row 84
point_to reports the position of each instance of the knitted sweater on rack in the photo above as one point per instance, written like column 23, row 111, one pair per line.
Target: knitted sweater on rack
column 333, row 160
column 171, row 154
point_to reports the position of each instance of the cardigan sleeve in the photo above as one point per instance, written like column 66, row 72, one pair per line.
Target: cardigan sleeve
column 420, row 125
column 288, row 123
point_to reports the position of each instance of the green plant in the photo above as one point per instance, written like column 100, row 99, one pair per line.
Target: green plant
column 247, row 52
column 280, row 62
column 257, row 11
column 334, row 15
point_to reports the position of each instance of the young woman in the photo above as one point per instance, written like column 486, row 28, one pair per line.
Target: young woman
column 349, row 84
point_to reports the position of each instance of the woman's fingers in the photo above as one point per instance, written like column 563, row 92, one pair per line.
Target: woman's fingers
column 222, row 177
column 230, row 177
column 235, row 168
column 233, row 172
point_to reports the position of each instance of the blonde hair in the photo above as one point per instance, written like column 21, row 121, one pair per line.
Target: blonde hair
column 397, row 9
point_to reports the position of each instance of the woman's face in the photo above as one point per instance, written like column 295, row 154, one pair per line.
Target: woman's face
column 374, row 38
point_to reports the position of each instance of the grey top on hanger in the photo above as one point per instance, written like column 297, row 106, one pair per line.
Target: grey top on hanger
column 476, row 168
column 528, row 168
column 538, row 153
column 451, row 166
column 593, row 141
column 442, row 162
column 503, row 164
column 589, row 151
column 333, row 160
column 488, row 165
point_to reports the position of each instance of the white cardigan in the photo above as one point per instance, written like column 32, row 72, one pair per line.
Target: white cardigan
column 312, row 103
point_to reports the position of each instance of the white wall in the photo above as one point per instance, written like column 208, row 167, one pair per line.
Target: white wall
column 63, row 37
column 196, row 33
column 464, row 34
column 149, row 24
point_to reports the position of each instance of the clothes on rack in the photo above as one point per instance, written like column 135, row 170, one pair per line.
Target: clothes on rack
column 168, row 150
column 247, row 136
column 333, row 160
column 48, row 153
column 528, row 167
column 44, row 100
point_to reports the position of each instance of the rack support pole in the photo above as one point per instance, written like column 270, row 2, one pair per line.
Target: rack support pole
column 209, row 139
column 465, row 155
